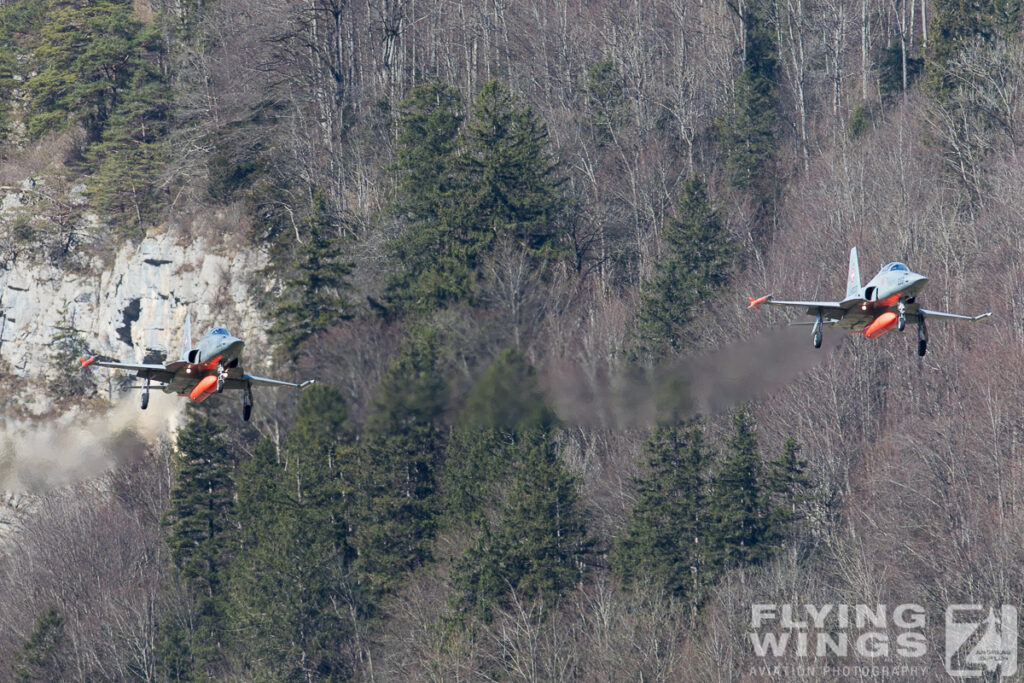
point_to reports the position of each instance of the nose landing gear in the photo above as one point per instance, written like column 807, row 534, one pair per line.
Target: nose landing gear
column 902, row 320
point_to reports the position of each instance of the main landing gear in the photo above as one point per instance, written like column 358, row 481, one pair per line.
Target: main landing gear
column 816, row 331
column 922, row 337
column 247, row 403
column 145, row 395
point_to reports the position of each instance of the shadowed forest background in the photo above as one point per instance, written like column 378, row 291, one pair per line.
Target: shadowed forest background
column 513, row 242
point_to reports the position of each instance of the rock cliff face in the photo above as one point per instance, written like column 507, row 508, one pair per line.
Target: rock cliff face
column 133, row 310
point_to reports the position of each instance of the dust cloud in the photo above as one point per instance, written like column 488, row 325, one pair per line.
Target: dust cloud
column 699, row 385
column 74, row 447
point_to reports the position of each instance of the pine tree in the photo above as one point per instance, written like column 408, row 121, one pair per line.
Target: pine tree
column 199, row 526
column 665, row 538
column 131, row 153
column 463, row 194
column 87, row 54
column 697, row 262
column 504, row 403
column 398, row 454
column 748, row 133
column 67, row 347
column 313, row 292
column 477, row 462
column 789, row 488
column 956, row 22
column 539, row 547
column 514, row 187
column 40, row 657
column 292, row 591
column 740, row 533
column 433, row 268
column 507, row 398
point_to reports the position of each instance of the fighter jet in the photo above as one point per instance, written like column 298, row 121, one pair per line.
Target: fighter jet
column 888, row 301
column 213, row 366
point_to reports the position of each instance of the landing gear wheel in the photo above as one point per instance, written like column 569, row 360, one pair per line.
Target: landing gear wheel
column 817, row 339
column 922, row 346
column 246, row 405
column 145, row 400
column 902, row 324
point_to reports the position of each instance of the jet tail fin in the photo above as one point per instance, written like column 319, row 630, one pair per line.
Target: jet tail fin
column 853, row 276
column 186, row 340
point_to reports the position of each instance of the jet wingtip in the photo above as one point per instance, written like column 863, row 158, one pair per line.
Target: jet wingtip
column 307, row 383
column 756, row 303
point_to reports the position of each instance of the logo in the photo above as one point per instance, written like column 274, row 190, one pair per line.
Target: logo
column 977, row 643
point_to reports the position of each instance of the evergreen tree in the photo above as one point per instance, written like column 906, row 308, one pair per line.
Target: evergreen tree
column 198, row 521
column 698, row 258
column 67, row 347
column 606, row 99
column 131, row 153
column 40, row 658
column 540, row 545
column 748, row 133
column 789, row 489
column 462, row 194
column 396, row 465
column 87, row 54
column 477, row 462
column 431, row 254
column 665, row 538
column 428, row 128
column 513, row 186
column 955, row 23
column 313, row 293
column 292, row 593
column 740, row 532
column 507, row 398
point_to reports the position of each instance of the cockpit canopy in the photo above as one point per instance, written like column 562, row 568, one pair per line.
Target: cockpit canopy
column 220, row 331
column 894, row 266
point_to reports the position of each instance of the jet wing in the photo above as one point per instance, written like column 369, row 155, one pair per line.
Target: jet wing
column 150, row 371
column 827, row 308
column 926, row 314
column 239, row 383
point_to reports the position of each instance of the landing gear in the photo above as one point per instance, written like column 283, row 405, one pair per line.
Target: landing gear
column 922, row 337
column 145, row 395
column 247, row 404
column 902, row 323
column 221, row 374
column 816, row 331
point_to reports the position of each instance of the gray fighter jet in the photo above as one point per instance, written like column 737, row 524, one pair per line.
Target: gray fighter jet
column 888, row 301
column 213, row 366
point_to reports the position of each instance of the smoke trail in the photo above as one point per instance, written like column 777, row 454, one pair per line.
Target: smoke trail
column 704, row 384
column 75, row 446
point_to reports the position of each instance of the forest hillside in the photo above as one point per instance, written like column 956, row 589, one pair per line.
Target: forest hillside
column 513, row 243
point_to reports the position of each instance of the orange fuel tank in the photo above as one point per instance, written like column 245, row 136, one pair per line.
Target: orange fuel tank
column 202, row 391
column 881, row 325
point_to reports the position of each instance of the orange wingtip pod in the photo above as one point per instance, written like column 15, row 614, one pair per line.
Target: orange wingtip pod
column 881, row 325
column 202, row 391
column 86, row 362
column 756, row 303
